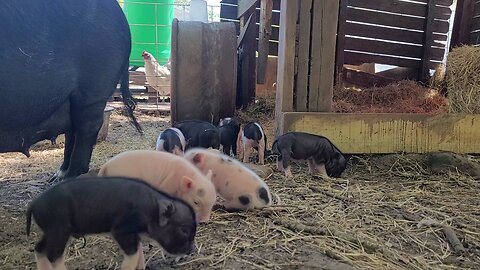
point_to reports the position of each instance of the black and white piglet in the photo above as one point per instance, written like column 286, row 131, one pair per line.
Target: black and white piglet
column 171, row 140
column 321, row 154
column 199, row 134
column 124, row 207
column 250, row 137
column 229, row 129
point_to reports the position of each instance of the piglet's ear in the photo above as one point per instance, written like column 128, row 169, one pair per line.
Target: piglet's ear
column 186, row 184
column 167, row 209
column 198, row 158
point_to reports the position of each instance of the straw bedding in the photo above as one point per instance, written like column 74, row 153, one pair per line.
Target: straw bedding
column 386, row 212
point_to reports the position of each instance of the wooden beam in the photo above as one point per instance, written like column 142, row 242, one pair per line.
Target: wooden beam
column 340, row 50
column 265, row 31
column 391, row 132
column 462, row 23
column 244, row 6
column 322, row 71
column 244, row 30
column 286, row 65
column 424, row 75
column 303, row 55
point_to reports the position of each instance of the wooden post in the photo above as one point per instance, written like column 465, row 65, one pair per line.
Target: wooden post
column 286, row 65
column 266, row 8
column 424, row 75
column 322, row 70
column 248, row 63
column 303, row 55
column 462, row 23
column 340, row 54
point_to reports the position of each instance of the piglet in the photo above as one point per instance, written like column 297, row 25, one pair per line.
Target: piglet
column 241, row 188
column 171, row 140
column 199, row 134
column 125, row 208
column 229, row 129
column 321, row 154
column 252, row 137
column 169, row 173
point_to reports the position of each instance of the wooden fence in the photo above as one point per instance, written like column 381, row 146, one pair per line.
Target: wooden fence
column 398, row 33
column 466, row 28
column 229, row 11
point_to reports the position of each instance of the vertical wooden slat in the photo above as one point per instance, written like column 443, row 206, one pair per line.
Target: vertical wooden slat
column 266, row 7
column 424, row 75
column 286, row 59
column 340, row 54
column 303, row 55
column 462, row 23
column 324, row 32
column 248, row 64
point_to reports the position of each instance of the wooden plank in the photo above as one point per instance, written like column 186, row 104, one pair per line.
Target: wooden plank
column 264, row 38
column 315, row 57
column 391, row 133
column 475, row 24
column 286, row 59
column 303, row 56
column 462, row 23
column 424, row 75
column 244, row 6
column 372, row 31
column 446, row 3
column 393, row 20
column 396, row 49
column 247, row 25
column 401, row 7
column 475, row 38
column 324, row 30
column 340, row 50
column 354, row 58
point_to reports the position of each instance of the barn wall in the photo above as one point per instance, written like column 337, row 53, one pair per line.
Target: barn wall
column 394, row 32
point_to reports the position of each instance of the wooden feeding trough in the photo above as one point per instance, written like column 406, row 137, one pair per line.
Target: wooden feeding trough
column 204, row 61
column 305, row 81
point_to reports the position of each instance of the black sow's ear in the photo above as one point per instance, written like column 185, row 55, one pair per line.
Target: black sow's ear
column 167, row 209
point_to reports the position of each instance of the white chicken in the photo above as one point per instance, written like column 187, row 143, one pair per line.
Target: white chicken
column 157, row 76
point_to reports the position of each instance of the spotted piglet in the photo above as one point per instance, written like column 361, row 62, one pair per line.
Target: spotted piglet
column 169, row 173
column 252, row 137
column 171, row 140
column 321, row 154
column 241, row 188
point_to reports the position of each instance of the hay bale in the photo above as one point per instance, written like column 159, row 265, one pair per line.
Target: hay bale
column 463, row 80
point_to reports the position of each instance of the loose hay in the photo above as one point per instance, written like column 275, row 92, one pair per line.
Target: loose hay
column 463, row 80
column 371, row 219
column 400, row 97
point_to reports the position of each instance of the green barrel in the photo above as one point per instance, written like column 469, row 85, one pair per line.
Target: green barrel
column 151, row 27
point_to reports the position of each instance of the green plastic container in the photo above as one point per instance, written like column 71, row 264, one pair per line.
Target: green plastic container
column 151, row 27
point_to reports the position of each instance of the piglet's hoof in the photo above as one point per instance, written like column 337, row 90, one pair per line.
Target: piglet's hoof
column 57, row 176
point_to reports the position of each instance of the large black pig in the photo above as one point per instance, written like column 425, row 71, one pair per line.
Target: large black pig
column 61, row 61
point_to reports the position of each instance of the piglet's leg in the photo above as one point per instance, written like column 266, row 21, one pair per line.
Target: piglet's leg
column 42, row 262
column 321, row 169
column 312, row 169
column 129, row 245
column 59, row 264
column 141, row 258
column 240, row 145
column 248, row 149
column 261, row 151
column 288, row 172
column 286, row 162
column 279, row 164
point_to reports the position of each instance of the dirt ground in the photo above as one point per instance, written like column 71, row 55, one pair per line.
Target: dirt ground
column 386, row 212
